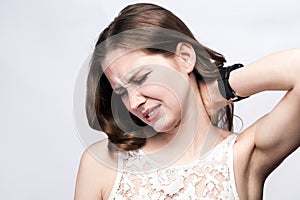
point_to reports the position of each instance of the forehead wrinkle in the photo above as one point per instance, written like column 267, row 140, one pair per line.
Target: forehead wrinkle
column 117, row 81
column 127, row 78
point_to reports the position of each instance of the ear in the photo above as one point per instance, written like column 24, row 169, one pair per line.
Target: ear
column 185, row 56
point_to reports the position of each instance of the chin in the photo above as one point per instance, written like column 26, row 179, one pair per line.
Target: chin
column 164, row 126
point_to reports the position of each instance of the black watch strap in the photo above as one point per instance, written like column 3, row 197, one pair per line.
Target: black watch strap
column 224, row 86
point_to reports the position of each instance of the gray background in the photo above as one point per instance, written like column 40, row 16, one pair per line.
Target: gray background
column 43, row 46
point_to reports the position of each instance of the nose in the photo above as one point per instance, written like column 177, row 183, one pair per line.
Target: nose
column 135, row 98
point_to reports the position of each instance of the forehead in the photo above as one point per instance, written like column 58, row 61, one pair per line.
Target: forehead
column 119, row 63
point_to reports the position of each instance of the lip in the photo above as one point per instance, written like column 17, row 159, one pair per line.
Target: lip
column 149, row 119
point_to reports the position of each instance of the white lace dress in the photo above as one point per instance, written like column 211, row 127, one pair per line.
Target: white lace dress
column 209, row 177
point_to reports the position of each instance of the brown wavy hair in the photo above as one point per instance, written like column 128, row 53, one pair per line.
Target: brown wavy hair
column 154, row 30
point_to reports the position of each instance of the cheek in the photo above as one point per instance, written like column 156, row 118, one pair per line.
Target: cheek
column 159, row 91
column 171, row 83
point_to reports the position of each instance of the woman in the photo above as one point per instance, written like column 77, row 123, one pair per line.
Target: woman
column 176, row 141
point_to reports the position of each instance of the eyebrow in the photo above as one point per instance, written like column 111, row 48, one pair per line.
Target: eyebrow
column 128, row 78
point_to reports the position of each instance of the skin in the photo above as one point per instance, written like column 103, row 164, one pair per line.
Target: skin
column 144, row 84
column 169, row 86
column 258, row 150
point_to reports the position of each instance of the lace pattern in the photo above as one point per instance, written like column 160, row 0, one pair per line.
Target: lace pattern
column 210, row 177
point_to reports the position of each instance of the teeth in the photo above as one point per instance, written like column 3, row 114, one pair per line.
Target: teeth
column 152, row 112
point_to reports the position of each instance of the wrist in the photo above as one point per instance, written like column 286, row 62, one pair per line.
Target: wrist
column 224, row 85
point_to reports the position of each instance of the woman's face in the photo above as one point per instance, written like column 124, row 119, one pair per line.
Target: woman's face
column 152, row 87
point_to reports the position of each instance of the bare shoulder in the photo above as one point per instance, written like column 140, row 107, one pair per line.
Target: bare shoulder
column 97, row 172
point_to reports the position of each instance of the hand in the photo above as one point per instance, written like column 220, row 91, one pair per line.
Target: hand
column 212, row 99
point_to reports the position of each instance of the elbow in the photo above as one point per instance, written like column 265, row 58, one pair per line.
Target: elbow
column 297, row 93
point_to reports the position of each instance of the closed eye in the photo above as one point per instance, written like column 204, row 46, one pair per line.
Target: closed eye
column 121, row 91
column 141, row 79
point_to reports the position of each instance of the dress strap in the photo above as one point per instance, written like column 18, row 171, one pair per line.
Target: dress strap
column 231, row 166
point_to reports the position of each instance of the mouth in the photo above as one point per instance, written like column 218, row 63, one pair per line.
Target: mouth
column 151, row 113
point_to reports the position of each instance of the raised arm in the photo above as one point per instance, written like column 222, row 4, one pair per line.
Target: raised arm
column 277, row 134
